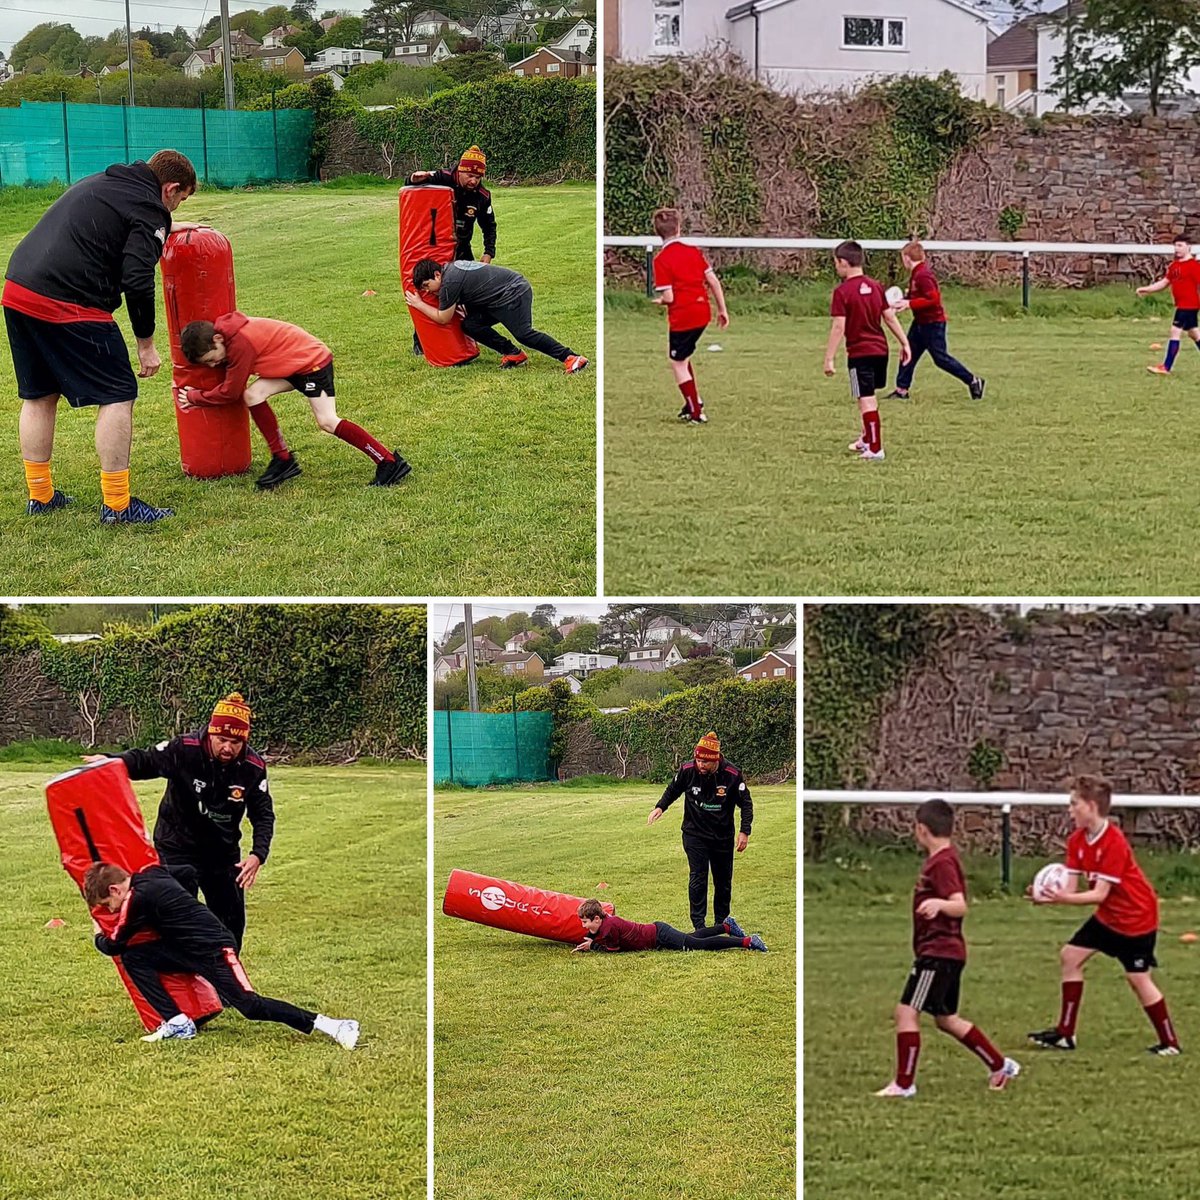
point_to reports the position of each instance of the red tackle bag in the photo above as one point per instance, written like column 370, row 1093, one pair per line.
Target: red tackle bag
column 515, row 907
column 96, row 818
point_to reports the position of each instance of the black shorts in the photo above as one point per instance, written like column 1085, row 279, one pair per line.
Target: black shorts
column 85, row 361
column 681, row 343
column 868, row 374
column 1135, row 954
column 315, row 382
column 669, row 938
column 933, row 986
column 1186, row 318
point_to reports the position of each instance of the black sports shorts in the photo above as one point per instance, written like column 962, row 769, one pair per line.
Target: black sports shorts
column 933, row 986
column 1186, row 318
column 681, row 343
column 1135, row 954
column 85, row 361
column 868, row 374
column 315, row 382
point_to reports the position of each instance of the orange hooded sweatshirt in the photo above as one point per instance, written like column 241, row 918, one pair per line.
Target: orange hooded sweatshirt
column 263, row 347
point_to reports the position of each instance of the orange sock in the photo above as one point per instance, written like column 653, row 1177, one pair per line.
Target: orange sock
column 114, row 487
column 38, row 481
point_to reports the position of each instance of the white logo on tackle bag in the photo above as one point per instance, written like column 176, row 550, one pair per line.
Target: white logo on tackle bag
column 492, row 898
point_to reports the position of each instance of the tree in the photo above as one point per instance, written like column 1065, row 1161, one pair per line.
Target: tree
column 1116, row 46
column 303, row 11
column 491, row 685
column 626, row 625
column 250, row 21
column 305, row 41
column 629, row 687
column 698, row 671
column 543, row 616
column 347, row 32
column 391, row 20
column 517, row 622
column 474, row 67
column 581, row 640
column 276, row 17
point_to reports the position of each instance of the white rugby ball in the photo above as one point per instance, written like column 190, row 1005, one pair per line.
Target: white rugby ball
column 1051, row 878
column 893, row 296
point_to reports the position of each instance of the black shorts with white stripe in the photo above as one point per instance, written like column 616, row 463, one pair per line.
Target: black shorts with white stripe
column 933, row 986
column 868, row 374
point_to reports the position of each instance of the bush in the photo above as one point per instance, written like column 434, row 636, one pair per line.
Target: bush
column 564, row 709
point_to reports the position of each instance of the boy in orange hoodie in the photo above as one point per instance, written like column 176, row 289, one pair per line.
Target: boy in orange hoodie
column 284, row 357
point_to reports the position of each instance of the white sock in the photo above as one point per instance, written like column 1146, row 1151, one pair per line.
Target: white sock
column 326, row 1025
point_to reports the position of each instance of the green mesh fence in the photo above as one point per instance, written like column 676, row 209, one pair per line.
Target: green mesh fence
column 41, row 143
column 476, row 749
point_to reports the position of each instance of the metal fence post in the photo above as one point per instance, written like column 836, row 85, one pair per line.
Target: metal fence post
column 449, row 740
column 649, row 270
column 275, row 130
column 204, row 134
column 1006, row 846
column 66, row 135
column 1025, row 279
column 125, row 123
column 516, row 737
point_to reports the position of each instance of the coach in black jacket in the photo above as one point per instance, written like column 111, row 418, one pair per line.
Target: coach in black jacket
column 711, row 788
column 472, row 202
column 100, row 239
column 213, row 780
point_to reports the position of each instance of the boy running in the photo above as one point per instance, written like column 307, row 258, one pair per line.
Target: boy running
column 605, row 932
column 284, row 357
column 939, row 905
column 1124, row 925
column 681, row 275
column 192, row 942
column 1183, row 278
column 928, row 330
column 860, row 310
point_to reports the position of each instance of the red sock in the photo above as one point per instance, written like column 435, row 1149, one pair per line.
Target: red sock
column 360, row 439
column 1072, row 994
column 908, row 1048
column 690, row 396
column 1161, row 1021
column 871, row 432
column 746, row 942
column 264, row 418
column 978, row 1045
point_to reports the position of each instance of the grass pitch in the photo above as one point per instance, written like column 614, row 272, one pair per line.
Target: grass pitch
column 653, row 1076
column 336, row 922
column 502, row 495
column 1070, row 478
column 1108, row 1121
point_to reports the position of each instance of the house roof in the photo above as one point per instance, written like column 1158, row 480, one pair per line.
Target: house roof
column 749, row 7
column 1015, row 47
column 275, row 52
column 235, row 35
column 788, row 660
column 518, row 656
column 481, row 643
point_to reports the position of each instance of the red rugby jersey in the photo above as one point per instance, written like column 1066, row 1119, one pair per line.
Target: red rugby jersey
column 1184, row 277
column 862, row 302
column 1131, row 907
column 616, row 933
column 925, row 297
column 682, row 268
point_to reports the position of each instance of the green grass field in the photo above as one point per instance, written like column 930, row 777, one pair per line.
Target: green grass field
column 1108, row 1121
column 1065, row 480
column 653, row 1076
column 502, row 495
column 336, row 921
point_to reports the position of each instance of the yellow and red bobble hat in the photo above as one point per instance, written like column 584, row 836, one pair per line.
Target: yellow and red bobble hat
column 708, row 748
column 231, row 717
column 473, row 161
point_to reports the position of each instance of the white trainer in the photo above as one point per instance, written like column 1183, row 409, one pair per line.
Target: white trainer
column 858, row 446
column 998, row 1080
column 894, row 1089
column 868, row 455
column 180, row 1026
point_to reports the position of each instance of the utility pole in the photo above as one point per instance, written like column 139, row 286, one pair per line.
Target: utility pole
column 472, row 691
column 226, row 55
column 129, row 52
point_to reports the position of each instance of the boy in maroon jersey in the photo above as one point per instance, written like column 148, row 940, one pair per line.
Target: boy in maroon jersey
column 939, row 905
column 860, row 310
column 1183, row 278
column 681, row 275
column 606, row 932
column 1124, row 925
column 928, row 330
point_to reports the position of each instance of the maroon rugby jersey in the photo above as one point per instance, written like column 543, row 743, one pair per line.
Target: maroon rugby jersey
column 616, row 933
column 924, row 297
column 861, row 300
column 940, row 937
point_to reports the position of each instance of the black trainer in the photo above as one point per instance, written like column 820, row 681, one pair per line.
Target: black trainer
column 279, row 470
column 1163, row 1050
column 897, row 394
column 389, row 473
column 37, row 508
column 1051, row 1039
column 977, row 385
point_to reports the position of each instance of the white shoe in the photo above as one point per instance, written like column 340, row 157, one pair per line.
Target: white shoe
column 346, row 1034
column 858, row 446
column 998, row 1080
column 177, row 1027
column 894, row 1089
column 868, row 455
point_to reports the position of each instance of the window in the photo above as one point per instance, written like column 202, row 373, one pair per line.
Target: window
column 552, row 67
column 667, row 16
column 1001, row 89
column 780, row 671
column 873, row 33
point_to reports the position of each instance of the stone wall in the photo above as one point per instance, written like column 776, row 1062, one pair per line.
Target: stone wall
column 31, row 706
column 1056, row 695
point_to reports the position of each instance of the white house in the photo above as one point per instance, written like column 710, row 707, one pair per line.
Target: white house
column 312, row 71
column 653, row 658
column 578, row 37
column 519, row 641
column 341, row 57
column 430, row 23
column 667, row 629
column 805, row 46
column 576, row 661
column 198, row 61
column 274, row 39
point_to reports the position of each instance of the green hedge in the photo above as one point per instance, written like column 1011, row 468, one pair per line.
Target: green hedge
column 564, row 708
column 316, row 676
column 528, row 128
column 756, row 723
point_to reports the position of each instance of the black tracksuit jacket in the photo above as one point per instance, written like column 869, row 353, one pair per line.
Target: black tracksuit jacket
column 709, row 801
column 103, row 236
column 470, row 205
column 160, row 903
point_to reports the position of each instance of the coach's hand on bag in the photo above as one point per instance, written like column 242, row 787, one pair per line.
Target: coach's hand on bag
column 148, row 357
column 95, row 758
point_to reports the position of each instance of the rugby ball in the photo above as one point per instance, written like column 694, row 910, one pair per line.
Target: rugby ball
column 893, row 296
column 1051, row 878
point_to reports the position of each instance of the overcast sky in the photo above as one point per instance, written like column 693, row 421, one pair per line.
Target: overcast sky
column 446, row 616
column 96, row 18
